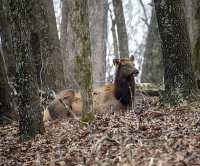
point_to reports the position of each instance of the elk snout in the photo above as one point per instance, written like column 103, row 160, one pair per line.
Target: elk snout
column 135, row 72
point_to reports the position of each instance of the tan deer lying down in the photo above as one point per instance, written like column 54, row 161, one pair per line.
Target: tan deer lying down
column 116, row 96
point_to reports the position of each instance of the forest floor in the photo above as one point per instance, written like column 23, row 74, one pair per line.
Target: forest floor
column 156, row 136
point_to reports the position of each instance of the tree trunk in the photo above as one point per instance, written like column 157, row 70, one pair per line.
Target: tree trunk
column 98, row 13
column 68, row 42
column 189, row 19
column 114, row 36
column 178, row 75
column 30, row 116
column 64, row 40
column 196, row 40
column 46, row 46
column 5, row 35
column 4, row 87
column 152, row 69
column 79, row 24
column 121, row 28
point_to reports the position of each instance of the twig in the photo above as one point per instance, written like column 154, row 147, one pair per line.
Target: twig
column 145, row 19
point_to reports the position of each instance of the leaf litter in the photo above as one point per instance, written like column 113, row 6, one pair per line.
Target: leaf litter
column 149, row 136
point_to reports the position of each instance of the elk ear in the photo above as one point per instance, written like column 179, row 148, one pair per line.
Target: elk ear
column 132, row 58
column 116, row 61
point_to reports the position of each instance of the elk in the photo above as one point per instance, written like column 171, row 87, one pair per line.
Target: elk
column 117, row 96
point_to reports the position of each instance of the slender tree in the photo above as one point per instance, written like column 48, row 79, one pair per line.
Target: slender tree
column 114, row 36
column 63, row 40
column 98, row 14
column 30, row 116
column 178, row 75
column 121, row 28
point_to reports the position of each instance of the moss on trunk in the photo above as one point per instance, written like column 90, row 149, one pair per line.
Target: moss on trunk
column 83, row 63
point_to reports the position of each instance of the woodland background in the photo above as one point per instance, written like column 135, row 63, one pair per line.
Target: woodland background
column 40, row 57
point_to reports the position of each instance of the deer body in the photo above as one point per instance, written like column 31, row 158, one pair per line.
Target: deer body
column 116, row 96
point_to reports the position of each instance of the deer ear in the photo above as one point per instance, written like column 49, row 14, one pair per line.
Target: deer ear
column 116, row 61
column 132, row 58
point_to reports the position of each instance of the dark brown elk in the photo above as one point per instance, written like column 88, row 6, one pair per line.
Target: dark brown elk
column 117, row 96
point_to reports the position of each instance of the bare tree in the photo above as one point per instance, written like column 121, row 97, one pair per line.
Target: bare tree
column 178, row 74
column 114, row 36
column 98, row 13
column 121, row 28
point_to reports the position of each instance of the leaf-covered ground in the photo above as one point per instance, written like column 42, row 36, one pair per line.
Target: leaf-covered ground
column 156, row 136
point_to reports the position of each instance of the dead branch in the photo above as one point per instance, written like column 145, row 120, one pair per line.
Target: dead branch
column 145, row 19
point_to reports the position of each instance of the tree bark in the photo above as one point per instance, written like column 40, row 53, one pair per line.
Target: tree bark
column 30, row 116
column 79, row 26
column 196, row 40
column 46, row 46
column 68, row 42
column 121, row 28
column 64, row 40
column 114, row 36
column 189, row 19
column 152, row 69
column 178, row 74
column 5, row 34
column 5, row 106
column 98, row 13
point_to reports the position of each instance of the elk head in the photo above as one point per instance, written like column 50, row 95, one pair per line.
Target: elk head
column 126, row 67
